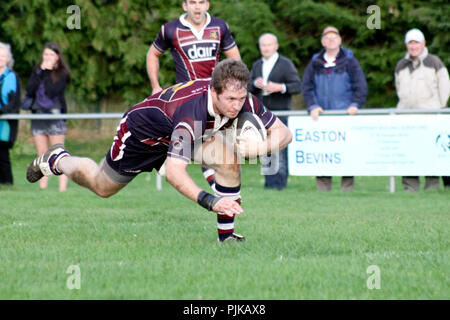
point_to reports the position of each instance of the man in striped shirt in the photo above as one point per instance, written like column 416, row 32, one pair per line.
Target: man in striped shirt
column 195, row 40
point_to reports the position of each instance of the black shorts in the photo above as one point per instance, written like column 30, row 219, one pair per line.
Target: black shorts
column 129, row 158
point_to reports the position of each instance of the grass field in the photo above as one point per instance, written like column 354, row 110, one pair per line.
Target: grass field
column 147, row 244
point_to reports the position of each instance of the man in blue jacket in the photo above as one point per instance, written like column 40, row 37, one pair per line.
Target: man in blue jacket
column 333, row 80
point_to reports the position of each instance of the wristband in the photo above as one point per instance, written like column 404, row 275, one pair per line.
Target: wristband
column 207, row 200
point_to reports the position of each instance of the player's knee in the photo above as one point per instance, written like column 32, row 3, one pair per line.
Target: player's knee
column 104, row 193
column 231, row 171
column 104, row 188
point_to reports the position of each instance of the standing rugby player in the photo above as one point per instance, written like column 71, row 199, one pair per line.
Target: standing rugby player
column 195, row 40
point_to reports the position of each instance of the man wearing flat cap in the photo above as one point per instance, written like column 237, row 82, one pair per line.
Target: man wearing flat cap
column 333, row 80
column 422, row 82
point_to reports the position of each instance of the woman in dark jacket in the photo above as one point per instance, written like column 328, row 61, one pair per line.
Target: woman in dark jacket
column 46, row 85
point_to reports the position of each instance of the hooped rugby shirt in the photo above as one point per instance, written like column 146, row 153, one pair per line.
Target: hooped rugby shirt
column 195, row 53
column 181, row 114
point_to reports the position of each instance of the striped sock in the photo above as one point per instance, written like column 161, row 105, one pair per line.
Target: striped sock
column 225, row 224
column 208, row 173
column 53, row 162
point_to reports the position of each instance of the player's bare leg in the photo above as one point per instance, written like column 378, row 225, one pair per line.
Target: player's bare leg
column 83, row 171
column 218, row 154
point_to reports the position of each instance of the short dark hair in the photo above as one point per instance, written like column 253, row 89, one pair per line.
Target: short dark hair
column 230, row 71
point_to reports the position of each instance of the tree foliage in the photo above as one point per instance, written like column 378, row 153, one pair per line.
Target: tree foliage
column 107, row 54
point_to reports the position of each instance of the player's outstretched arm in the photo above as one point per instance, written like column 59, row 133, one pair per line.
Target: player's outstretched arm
column 278, row 136
column 153, row 68
column 178, row 177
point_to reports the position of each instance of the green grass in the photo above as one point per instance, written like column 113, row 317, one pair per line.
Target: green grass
column 146, row 244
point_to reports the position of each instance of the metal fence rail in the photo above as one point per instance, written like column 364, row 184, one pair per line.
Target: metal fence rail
column 100, row 116
column 87, row 116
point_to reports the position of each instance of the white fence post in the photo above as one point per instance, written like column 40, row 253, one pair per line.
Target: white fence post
column 392, row 178
column 158, row 181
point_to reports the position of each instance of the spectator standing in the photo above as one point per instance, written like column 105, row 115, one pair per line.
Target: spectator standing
column 195, row 40
column 333, row 80
column 46, row 86
column 422, row 82
column 274, row 79
column 446, row 181
column 9, row 103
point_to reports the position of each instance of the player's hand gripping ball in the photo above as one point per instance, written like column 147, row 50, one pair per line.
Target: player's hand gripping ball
column 249, row 134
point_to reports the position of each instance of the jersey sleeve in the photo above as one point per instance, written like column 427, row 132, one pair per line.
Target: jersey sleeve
column 180, row 146
column 254, row 105
column 188, row 128
column 227, row 42
column 162, row 41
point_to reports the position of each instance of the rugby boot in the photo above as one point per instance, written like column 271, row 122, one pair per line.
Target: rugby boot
column 45, row 165
column 235, row 237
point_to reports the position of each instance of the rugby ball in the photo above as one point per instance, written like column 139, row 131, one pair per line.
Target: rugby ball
column 249, row 125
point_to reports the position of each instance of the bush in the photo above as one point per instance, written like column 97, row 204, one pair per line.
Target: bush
column 107, row 55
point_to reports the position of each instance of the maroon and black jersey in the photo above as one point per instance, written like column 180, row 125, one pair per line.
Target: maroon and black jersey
column 194, row 53
column 170, row 122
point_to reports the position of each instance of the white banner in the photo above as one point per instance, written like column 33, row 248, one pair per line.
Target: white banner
column 388, row 145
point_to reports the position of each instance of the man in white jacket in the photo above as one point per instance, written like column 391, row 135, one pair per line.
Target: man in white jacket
column 422, row 82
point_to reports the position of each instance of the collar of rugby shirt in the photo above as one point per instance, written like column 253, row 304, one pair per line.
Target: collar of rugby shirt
column 197, row 34
column 219, row 120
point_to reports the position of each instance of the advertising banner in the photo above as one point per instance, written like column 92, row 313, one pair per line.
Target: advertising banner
column 384, row 145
